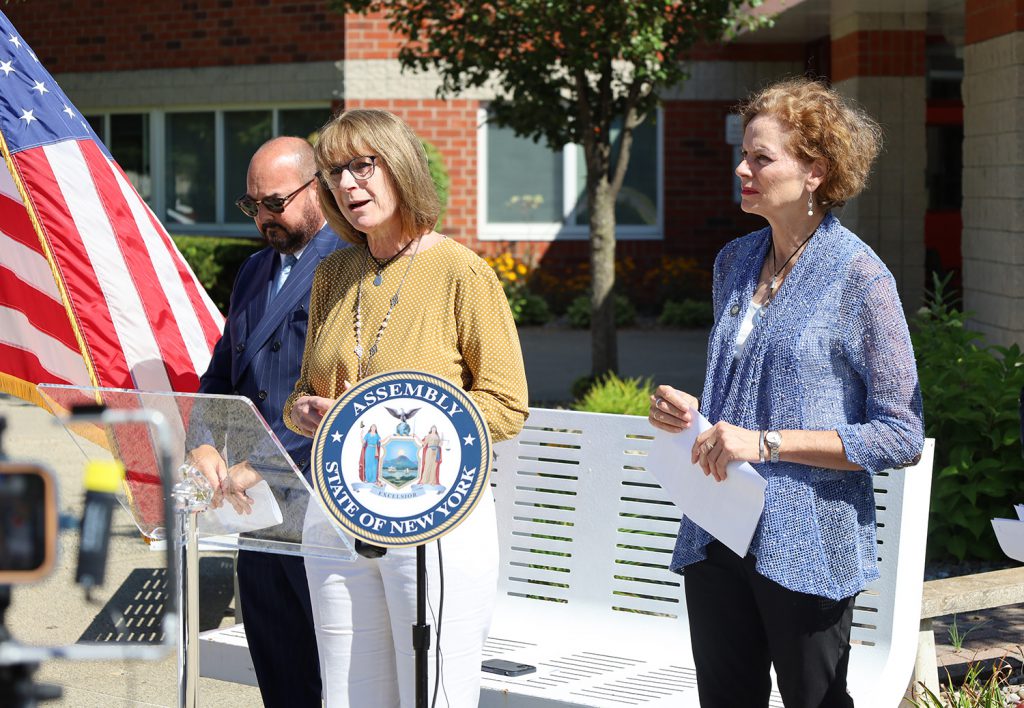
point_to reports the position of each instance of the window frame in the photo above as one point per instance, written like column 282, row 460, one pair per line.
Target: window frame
column 158, row 159
column 568, row 229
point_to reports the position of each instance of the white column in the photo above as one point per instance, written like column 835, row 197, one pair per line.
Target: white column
column 889, row 215
column 993, row 179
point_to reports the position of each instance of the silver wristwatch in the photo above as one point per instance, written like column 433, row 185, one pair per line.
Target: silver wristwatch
column 773, row 440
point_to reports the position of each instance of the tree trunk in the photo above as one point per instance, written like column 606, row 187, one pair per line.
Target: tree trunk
column 604, row 345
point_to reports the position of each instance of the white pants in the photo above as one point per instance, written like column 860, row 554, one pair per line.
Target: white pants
column 364, row 611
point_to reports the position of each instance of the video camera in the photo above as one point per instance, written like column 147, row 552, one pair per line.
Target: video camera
column 30, row 522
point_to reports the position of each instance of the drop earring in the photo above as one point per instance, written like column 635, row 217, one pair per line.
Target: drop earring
column 810, row 204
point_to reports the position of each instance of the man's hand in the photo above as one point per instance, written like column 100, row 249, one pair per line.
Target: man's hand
column 212, row 466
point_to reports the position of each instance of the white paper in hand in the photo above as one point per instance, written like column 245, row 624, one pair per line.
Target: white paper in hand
column 729, row 510
column 225, row 520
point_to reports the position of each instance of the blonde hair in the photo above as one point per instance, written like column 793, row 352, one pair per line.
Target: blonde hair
column 824, row 126
column 363, row 131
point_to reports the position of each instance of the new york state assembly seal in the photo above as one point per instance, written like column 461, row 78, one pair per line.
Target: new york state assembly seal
column 401, row 459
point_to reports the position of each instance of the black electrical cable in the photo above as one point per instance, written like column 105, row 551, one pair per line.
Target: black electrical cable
column 438, row 660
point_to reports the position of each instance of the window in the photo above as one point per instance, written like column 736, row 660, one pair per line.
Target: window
column 190, row 165
column 244, row 131
column 529, row 192
column 189, row 182
column 129, row 143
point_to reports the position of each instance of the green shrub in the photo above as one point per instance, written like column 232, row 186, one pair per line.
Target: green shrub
column 970, row 392
column 581, row 385
column 688, row 313
column 216, row 261
column 610, row 394
column 579, row 312
column 439, row 174
column 527, row 308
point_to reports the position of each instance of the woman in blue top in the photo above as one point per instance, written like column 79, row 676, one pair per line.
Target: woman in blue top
column 810, row 377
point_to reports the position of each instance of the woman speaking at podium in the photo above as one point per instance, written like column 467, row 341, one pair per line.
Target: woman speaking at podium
column 404, row 298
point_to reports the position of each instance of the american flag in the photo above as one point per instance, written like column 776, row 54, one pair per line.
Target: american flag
column 93, row 292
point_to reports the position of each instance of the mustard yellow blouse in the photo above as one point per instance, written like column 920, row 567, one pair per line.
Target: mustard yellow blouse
column 452, row 320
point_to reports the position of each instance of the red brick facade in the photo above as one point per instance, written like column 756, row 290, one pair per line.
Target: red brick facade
column 119, row 35
column 878, row 53
column 368, row 37
column 451, row 127
column 985, row 19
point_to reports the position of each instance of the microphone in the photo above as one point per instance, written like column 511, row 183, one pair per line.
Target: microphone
column 102, row 481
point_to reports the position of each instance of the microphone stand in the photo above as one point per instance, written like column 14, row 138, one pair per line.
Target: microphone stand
column 421, row 630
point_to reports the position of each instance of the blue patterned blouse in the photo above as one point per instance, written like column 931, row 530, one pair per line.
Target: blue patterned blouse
column 831, row 352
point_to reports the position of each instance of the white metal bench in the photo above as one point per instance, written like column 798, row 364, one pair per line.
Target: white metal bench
column 584, row 593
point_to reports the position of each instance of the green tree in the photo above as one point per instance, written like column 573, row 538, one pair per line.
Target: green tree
column 565, row 71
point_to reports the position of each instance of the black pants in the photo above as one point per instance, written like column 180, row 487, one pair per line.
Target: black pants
column 741, row 623
column 278, row 619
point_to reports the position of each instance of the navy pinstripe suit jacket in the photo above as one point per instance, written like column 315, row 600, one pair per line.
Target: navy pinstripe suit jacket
column 260, row 353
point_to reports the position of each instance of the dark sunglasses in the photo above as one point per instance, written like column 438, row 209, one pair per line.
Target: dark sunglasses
column 276, row 205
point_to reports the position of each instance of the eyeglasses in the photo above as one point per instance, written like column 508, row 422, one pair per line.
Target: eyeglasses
column 360, row 167
column 276, row 205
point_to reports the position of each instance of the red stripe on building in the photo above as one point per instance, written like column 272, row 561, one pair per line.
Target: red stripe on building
column 878, row 53
column 992, row 18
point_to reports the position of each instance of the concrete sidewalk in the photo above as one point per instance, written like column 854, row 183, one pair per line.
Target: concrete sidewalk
column 556, row 357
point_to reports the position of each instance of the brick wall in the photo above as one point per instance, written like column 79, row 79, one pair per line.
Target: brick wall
column 69, row 35
column 993, row 151
column 368, row 37
column 878, row 53
column 700, row 215
column 451, row 127
column 985, row 19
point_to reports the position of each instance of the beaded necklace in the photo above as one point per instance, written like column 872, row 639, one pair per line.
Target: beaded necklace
column 384, row 323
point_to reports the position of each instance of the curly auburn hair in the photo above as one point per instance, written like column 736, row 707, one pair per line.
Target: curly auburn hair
column 823, row 126
column 374, row 131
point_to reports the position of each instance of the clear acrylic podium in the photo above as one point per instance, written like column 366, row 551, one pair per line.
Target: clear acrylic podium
column 275, row 509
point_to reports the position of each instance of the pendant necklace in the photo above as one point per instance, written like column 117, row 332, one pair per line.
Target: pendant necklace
column 774, row 285
column 382, row 264
column 384, row 323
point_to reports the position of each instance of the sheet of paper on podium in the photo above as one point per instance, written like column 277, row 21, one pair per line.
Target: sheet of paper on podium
column 225, row 520
column 1010, row 534
column 729, row 510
